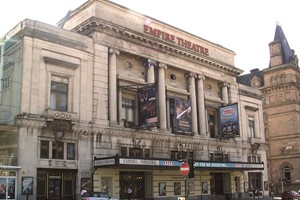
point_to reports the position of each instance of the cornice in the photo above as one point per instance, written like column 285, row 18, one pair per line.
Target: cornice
column 278, row 88
column 95, row 24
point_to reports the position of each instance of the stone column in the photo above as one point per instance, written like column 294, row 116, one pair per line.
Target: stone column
column 112, row 85
column 162, row 96
column 192, row 90
column 120, row 106
column 225, row 93
column 150, row 72
column 201, row 105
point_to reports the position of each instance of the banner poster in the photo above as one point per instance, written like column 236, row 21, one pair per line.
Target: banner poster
column 147, row 111
column 183, row 116
column 229, row 120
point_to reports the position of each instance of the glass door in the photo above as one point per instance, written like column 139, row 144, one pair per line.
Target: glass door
column 7, row 188
column 54, row 188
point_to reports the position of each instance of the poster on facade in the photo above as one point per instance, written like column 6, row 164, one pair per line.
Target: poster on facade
column 27, row 185
column 147, row 106
column 183, row 116
column 229, row 121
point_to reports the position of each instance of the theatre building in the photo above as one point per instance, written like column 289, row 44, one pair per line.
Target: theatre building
column 111, row 99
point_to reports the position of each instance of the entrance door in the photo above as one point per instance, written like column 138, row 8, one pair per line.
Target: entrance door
column 54, row 188
column 7, row 188
column 135, row 181
column 216, row 183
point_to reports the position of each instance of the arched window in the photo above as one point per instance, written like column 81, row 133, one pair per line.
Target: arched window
column 287, row 174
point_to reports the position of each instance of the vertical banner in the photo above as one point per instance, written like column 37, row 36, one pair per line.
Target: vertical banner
column 183, row 116
column 147, row 105
column 229, row 120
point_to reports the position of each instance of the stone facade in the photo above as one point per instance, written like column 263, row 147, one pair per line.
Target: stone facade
column 78, row 90
column 279, row 84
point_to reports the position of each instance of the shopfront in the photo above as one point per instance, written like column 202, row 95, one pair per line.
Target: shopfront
column 56, row 184
column 155, row 179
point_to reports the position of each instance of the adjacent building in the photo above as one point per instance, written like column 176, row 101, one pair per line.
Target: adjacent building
column 279, row 84
column 112, row 99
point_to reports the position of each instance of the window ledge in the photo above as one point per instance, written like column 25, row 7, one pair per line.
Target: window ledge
column 61, row 115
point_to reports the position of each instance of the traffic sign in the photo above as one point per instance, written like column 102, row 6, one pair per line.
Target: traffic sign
column 184, row 169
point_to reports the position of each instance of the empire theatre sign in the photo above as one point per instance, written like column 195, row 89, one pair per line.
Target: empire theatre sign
column 175, row 40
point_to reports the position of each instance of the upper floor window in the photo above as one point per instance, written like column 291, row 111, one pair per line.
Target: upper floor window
column 254, row 158
column 128, row 111
column 55, row 150
column 6, row 82
column 251, row 127
column 181, row 155
column 70, row 151
column 212, row 118
column 219, row 157
column 59, row 94
column 172, row 114
column 135, row 152
column 44, row 153
column 287, row 174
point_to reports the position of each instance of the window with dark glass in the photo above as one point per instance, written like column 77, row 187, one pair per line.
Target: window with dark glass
column 57, row 150
column 287, row 174
column 219, row 157
column 212, row 122
column 41, row 184
column 124, row 151
column 181, row 155
column 172, row 114
column 44, row 150
column 59, row 96
column 135, row 152
column 147, row 153
column 128, row 112
column 70, row 151
column 254, row 158
column 251, row 127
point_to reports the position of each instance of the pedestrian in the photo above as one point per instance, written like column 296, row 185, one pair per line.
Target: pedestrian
column 129, row 192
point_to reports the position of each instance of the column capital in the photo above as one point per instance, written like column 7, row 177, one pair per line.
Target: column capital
column 224, row 85
column 200, row 76
column 190, row 75
column 114, row 51
column 162, row 65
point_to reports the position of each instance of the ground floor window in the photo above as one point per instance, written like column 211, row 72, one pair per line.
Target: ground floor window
column 7, row 184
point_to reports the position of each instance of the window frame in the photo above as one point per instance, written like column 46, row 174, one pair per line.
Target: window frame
column 59, row 100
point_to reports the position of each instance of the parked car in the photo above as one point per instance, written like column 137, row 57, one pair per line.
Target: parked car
column 96, row 196
column 290, row 195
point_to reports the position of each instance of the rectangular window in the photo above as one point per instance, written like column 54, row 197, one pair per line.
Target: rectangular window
column 57, row 150
column 172, row 115
column 254, row 158
column 212, row 122
column 124, row 151
column 128, row 109
column 59, row 94
column 44, row 150
column 219, row 157
column 6, row 82
column 70, row 151
column 135, row 152
column 147, row 153
column 251, row 127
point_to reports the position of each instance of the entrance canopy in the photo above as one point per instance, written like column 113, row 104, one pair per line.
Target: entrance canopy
column 173, row 164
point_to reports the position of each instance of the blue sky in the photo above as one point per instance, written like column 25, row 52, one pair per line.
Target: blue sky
column 245, row 27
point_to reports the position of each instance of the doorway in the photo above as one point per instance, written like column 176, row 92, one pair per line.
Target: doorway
column 216, row 183
column 136, row 182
